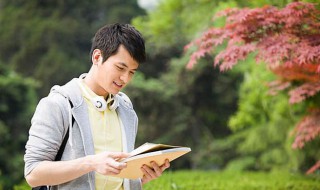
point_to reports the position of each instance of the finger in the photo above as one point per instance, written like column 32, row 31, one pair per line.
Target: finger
column 148, row 172
column 107, row 170
column 117, row 165
column 156, row 169
column 165, row 165
column 113, row 171
column 118, row 155
column 146, row 176
column 144, row 179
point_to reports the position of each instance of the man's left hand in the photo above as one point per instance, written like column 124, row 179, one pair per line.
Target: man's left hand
column 154, row 171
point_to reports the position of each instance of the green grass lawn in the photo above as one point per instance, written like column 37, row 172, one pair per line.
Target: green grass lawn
column 205, row 180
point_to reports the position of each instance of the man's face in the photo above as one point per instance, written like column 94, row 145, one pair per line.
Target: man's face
column 115, row 73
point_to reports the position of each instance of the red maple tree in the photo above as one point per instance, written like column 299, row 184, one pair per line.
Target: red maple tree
column 287, row 40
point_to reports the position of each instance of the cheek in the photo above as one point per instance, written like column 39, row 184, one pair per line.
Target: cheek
column 101, row 80
column 107, row 79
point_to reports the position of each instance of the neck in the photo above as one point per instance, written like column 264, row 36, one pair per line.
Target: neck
column 90, row 81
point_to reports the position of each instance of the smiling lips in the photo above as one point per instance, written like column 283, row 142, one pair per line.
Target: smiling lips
column 118, row 85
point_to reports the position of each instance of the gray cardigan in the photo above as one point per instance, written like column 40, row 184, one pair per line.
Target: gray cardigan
column 50, row 123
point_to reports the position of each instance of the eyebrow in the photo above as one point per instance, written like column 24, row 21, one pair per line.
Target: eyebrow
column 125, row 65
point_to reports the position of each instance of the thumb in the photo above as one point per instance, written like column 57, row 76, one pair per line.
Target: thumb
column 118, row 155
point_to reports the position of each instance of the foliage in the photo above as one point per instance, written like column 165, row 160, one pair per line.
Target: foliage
column 17, row 99
column 175, row 107
column 22, row 186
column 50, row 40
column 260, row 139
column 228, row 180
column 174, row 21
column 287, row 40
column 169, row 27
column 203, row 100
column 178, row 103
column 193, row 180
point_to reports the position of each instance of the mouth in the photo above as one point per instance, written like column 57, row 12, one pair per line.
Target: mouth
column 119, row 85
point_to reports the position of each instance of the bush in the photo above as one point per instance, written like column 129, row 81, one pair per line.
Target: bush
column 207, row 180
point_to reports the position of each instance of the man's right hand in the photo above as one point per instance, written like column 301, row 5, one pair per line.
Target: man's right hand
column 107, row 163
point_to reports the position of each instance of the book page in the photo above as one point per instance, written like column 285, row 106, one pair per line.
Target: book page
column 134, row 163
column 150, row 147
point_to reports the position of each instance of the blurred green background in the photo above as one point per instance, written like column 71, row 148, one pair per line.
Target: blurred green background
column 233, row 126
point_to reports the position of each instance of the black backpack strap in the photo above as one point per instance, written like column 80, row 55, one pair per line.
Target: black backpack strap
column 65, row 140
column 60, row 152
column 63, row 145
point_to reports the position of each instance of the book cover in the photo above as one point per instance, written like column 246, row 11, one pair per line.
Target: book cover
column 146, row 153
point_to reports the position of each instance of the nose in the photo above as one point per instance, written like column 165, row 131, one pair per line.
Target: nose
column 125, row 77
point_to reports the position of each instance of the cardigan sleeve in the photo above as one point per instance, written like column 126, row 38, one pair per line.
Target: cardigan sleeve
column 46, row 133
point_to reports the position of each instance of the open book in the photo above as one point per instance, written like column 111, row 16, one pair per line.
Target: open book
column 146, row 153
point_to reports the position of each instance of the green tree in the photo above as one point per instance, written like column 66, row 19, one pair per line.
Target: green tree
column 50, row 40
column 166, row 28
column 179, row 103
column 285, row 40
column 175, row 107
column 17, row 100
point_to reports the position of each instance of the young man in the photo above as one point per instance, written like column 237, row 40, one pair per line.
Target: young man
column 105, row 124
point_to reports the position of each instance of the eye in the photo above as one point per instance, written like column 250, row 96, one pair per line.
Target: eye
column 132, row 72
column 119, row 68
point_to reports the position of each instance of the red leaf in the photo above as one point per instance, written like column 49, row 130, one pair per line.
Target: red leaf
column 308, row 129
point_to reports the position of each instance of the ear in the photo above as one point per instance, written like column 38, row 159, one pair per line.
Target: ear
column 96, row 57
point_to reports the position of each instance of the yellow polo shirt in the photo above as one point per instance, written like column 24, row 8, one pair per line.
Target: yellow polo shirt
column 106, row 131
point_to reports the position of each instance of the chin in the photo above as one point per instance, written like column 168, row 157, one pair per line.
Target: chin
column 115, row 91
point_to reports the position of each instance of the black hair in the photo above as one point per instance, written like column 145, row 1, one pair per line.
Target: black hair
column 110, row 37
